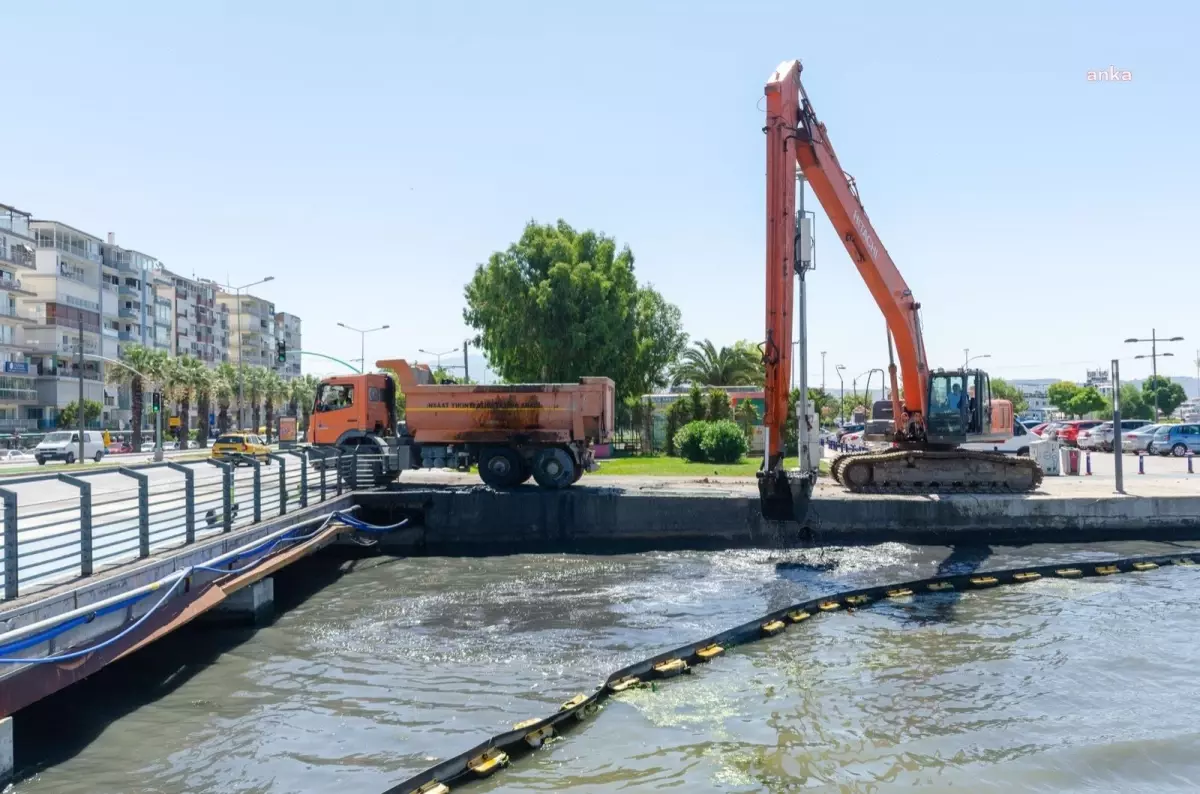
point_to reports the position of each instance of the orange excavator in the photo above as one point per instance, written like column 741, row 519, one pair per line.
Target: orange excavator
column 932, row 412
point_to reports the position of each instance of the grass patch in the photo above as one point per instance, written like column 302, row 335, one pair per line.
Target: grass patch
column 663, row 466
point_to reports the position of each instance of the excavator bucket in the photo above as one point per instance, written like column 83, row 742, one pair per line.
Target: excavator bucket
column 783, row 495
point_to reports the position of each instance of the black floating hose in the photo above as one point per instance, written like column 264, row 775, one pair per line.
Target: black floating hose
column 495, row 753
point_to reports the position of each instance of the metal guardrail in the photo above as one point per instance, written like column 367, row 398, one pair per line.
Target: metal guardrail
column 59, row 527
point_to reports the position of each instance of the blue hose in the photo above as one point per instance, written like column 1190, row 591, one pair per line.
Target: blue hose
column 66, row 657
column 363, row 526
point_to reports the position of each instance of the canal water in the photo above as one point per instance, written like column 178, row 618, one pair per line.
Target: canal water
column 378, row 667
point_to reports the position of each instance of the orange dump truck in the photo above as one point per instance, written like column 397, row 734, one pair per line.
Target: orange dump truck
column 546, row 431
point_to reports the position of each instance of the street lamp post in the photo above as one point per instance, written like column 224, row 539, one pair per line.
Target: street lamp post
column 241, row 344
column 823, row 352
column 842, row 398
column 438, row 356
column 968, row 358
column 1154, row 357
column 362, row 338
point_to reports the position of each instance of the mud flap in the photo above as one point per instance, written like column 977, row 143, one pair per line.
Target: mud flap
column 783, row 496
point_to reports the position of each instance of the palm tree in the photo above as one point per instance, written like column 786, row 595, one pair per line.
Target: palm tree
column 255, row 382
column 274, row 391
column 146, row 367
column 225, row 388
column 182, row 377
column 707, row 366
column 206, row 384
column 304, row 392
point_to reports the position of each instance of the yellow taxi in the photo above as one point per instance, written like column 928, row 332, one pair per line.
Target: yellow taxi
column 239, row 447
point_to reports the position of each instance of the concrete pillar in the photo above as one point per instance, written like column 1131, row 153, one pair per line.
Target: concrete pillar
column 254, row 605
column 7, row 763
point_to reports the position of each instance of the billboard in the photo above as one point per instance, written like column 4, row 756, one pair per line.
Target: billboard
column 287, row 429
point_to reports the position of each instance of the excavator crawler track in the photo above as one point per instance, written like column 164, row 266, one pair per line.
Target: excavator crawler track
column 916, row 471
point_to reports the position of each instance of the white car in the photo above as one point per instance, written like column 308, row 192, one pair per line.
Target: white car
column 14, row 456
column 1017, row 445
column 1091, row 439
column 147, row 446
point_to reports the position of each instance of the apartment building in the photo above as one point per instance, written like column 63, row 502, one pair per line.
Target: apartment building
column 66, row 305
column 60, row 286
column 199, row 324
column 251, row 329
column 287, row 330
column 18, row 388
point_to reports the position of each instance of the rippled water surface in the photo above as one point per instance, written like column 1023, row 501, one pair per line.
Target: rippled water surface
column 380, row 667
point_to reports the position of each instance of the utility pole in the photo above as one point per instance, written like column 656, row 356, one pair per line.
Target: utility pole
column 466, row 366
column 842, row 398
column 362, row 342
column 1154, row 356
column 1118, row 470
column 823, row 352
column 81, row 411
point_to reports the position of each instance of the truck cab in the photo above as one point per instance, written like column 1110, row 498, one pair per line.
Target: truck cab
column 353, row 407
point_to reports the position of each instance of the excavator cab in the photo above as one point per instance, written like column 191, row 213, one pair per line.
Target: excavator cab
column 960, row 407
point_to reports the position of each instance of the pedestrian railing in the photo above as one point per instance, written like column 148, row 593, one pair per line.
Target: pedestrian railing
column 59, row 527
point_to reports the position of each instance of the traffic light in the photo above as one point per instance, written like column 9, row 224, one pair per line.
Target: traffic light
column 281, row 352
column 156, row 402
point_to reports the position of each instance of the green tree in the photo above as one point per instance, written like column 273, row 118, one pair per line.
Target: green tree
column 206, row 384
column 304, row 392
column 1133, row 404
column 559, row 304
column 704, row 364
column 274, row 392
column 1170, row 395
column 699, row 405
column 1003, row 390
column 254, row 388
column 224, row 390
column 143, row 370
column 718, row 406
column 181, row 376
column 1086, row 400
column 68, row 417
column 1061, row 394
column 679, row 414
column 746, row 415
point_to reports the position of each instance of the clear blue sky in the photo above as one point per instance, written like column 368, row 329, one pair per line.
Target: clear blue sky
column 370, row 154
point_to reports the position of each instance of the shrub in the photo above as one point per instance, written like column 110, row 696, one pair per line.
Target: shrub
column 723, row 442
column 690, row 441
column 679, row 413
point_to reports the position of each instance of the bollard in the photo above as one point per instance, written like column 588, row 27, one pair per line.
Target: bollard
column 1087, row 462
column 1141, row 463
column 1189, row 457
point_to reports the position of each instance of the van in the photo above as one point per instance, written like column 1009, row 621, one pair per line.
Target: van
column 64, row 445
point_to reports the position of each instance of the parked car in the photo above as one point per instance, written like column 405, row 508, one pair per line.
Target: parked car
column 1017, row 445
column 14, row 456
column 170, row 446
column 64, row 446
column 1102, row 436
column 239, row 446
column 120, row 448
column 844, row 430
column 1177, row 440
column 1089, row 439
column 1139, row 440
column 147, row 446
column 1038, row 428
column 1068, row 433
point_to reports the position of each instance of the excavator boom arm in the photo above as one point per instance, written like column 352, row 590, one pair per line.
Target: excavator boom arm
column 793, row 131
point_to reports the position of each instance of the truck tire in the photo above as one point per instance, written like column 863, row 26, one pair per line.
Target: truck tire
column 501, row 467
column 554, row 468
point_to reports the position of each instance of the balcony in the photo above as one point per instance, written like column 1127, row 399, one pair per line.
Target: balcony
column 129, row 336
column 20, row 255
column 129, row 314
column 111, row 333
column 22, row 425
column 132, row 292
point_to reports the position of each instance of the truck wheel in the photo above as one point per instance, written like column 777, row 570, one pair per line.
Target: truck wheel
column 500, row 467
column 554, row 468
